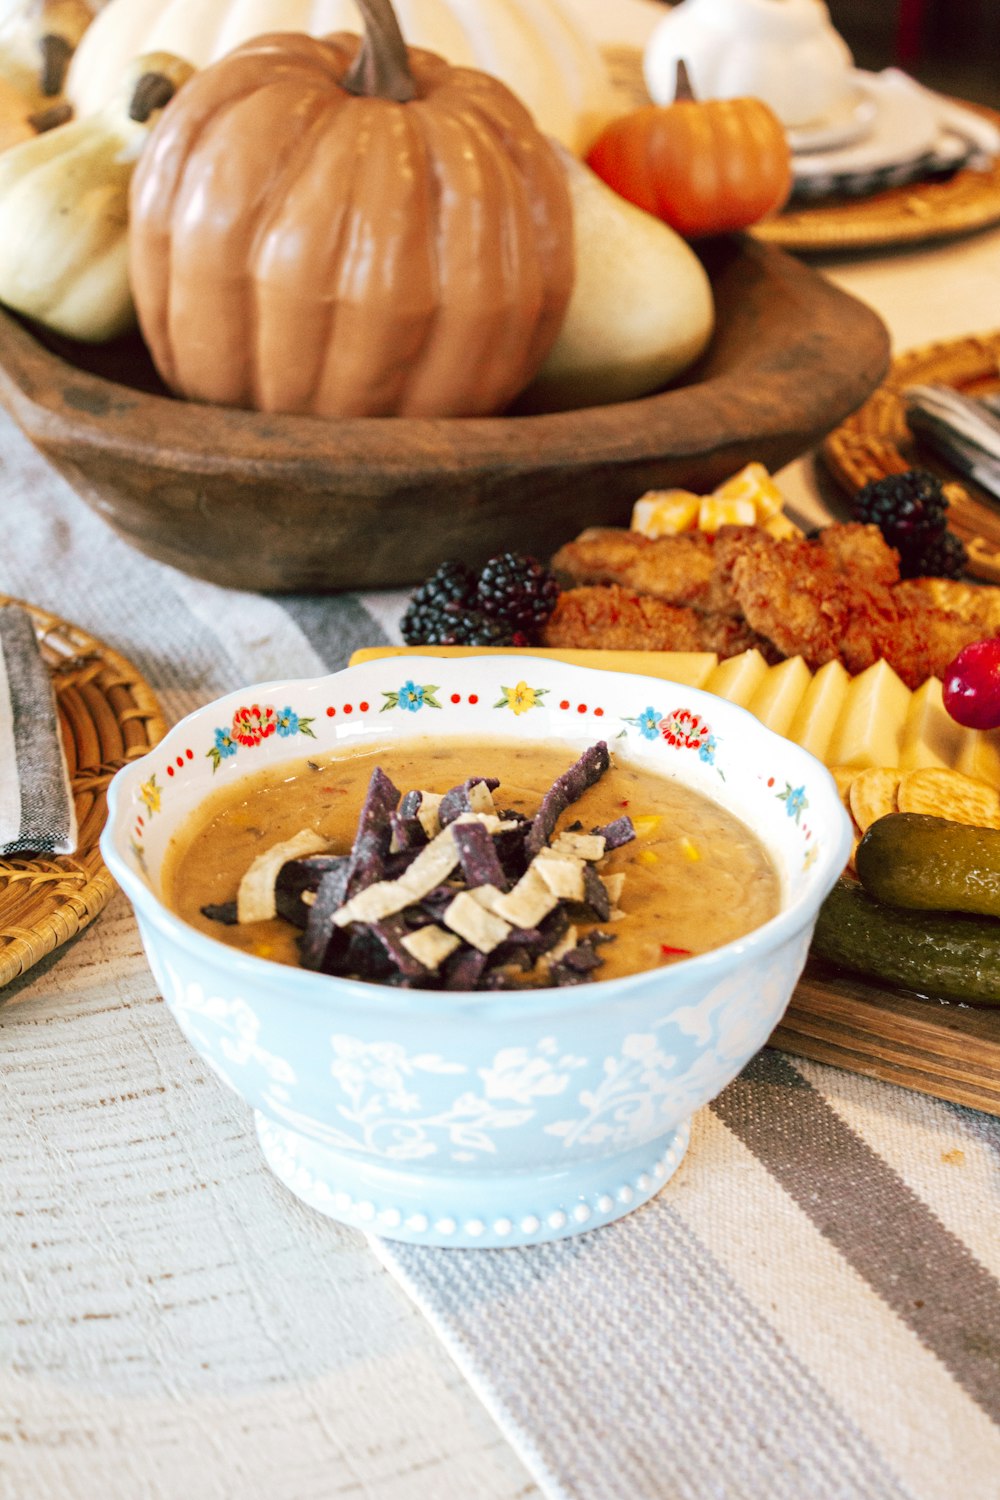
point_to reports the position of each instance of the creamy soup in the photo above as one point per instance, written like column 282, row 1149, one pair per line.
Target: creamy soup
column 695, row 877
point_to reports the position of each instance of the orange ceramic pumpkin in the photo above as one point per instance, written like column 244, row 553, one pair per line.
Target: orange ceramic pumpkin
column 349, row 228
column 704, row 166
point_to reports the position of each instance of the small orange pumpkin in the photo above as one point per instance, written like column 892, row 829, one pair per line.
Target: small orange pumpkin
column 346, row 227
column 704, row 166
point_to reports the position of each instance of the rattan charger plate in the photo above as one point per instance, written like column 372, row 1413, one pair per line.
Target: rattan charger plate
column 108, row 716
column 876, row 440
column 915, row 213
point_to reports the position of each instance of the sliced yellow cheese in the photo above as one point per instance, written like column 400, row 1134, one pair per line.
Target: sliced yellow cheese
column 930, row 736
column 690, row 668
column 818, row 711
column 665, row 512
column 780, row 693
column 979, row 754
column 869, row 726
column 714, row 513
column 753, row 483
column 738, row 678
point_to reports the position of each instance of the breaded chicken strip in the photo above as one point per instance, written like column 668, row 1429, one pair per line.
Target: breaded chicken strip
column 675, row 568
column 861, row 552
column 683, row 570
column 607, row 617
column 794, row 593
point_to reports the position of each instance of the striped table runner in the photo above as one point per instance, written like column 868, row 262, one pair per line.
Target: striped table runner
column 810, row 1308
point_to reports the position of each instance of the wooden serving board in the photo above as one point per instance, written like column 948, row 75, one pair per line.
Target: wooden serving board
column 950, row 1051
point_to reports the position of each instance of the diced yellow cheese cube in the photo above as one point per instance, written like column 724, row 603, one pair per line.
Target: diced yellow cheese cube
column 755, row 484
column 869, row 727
column 780, row 693
column 665, row 512
column 930, row 736
column 979, row 754
column 813, row 721
column 738, row 678
column 714, row 513
column 781, row 527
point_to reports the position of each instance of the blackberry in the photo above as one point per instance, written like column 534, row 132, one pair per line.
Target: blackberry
column 908, row 508
column 518, row 589
column 943, row 556
column 452, row 583
column 453, row 624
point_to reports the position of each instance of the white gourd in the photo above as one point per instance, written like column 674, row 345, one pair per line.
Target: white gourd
column 537, row 47
column 64, row 214
column 785, row 52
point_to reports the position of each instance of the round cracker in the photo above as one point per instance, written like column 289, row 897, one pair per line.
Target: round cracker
column 873, row 795
column 943, row 793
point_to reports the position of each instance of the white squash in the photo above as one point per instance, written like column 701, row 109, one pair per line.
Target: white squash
column 37, row 39
column 641, row 309
column 535, row 46
column 64, row 209
column 785, row 52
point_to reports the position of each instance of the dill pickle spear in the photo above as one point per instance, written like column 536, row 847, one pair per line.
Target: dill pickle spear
column 943, row 955
column 934, row 864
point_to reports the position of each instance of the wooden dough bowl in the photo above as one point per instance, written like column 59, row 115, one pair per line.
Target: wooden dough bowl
column 278, row 503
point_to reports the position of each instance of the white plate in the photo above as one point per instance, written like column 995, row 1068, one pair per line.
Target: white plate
column 905, row 127
column 852, row 120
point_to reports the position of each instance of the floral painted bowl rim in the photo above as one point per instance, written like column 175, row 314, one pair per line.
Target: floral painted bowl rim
column 325, row 990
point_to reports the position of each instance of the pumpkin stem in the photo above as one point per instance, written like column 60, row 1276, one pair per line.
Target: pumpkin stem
column 381, row 69
column 56, row 53
column 683, row 92
column 48, row 119
column 152, row 92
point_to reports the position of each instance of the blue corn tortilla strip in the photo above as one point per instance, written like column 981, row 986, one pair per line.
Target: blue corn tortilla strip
column 533, row 941
column 322, row 943
column 576, row 966
column 297, row 876
column 478, row 857
column 463, row 969
column 595, row 895
column 374, row 834
column 407, row 830
column 456, row 801
column 621, row 831
column 222, row 911
column 564, row 791
column 390, row 933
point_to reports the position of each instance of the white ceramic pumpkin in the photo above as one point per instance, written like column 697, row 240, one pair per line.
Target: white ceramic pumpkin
column 785, row 52
column 536, row 47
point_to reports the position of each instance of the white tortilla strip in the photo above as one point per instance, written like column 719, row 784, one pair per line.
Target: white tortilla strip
column 474, row 923
column 589, row 846
column 255, row 897
column 430, row 945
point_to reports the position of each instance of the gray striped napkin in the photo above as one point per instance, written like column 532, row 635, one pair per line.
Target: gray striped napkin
column 37, row 815
column 963, row 431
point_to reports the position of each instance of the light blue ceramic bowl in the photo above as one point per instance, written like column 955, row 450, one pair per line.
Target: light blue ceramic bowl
column 479, row 1119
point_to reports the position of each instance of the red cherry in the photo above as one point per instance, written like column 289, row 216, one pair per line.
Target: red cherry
column 971, row 690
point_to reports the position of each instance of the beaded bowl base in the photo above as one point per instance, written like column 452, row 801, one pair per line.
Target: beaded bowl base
column 449, row 1212
column 108, row 717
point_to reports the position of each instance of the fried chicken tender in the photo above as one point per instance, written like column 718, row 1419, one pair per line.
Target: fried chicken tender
column 862, row 552
column 794, row 593
column 675, row 568
column 607, row 617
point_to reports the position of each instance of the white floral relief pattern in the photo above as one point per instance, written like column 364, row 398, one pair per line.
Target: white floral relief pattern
column 381, row 1083
column 629, row 1102
column 233, row 1031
